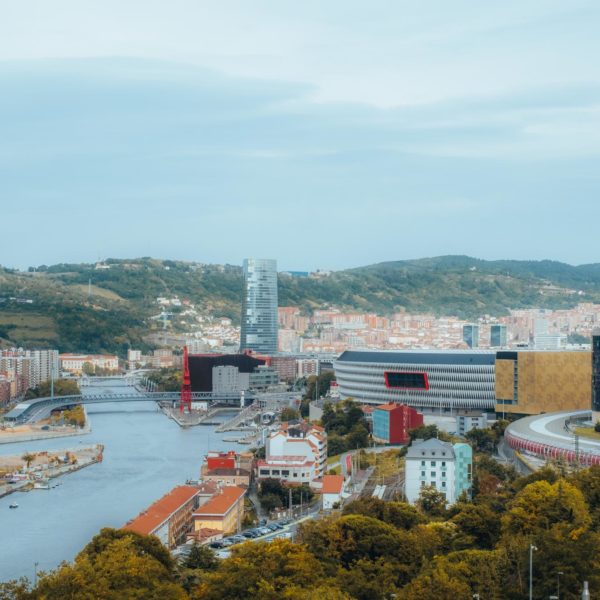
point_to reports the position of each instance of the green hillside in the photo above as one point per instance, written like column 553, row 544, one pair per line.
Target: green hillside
column 51, row 306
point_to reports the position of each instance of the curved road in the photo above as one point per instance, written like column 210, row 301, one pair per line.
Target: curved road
column 547, row 436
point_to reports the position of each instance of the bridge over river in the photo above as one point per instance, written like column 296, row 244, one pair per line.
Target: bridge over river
column 40, row 408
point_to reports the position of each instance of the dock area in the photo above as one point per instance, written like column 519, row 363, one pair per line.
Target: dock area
column 34, row 470
column 196, row 417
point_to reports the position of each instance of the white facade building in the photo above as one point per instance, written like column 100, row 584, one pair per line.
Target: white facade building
column 439, row 464
column 300, row 439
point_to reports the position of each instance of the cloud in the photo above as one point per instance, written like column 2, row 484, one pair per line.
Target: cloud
column 141, row 157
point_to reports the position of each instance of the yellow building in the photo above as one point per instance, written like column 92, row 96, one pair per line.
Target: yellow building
column 224, row 511
column 534, row 382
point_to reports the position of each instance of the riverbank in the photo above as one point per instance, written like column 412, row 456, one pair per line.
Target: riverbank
column 36, row 431
column 44, row 466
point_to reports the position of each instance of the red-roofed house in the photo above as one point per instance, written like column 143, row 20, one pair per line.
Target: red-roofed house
column 224, row 511
column 169, row 518
column 333, row 486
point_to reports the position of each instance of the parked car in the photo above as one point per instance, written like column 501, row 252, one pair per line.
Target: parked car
column 217, row 544
column 272, row 527
column 262, row 522
column 264, row 530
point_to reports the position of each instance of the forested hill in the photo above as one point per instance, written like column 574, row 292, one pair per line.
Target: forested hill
column 52, row 306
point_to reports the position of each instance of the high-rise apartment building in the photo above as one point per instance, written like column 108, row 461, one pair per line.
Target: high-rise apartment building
column 259, row 306
column 498, row 337
column 471, row 335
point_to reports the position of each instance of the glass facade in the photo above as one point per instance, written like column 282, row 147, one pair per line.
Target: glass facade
column 498, row 336
column 596, row 371
column 471, row 335
column 259, row 306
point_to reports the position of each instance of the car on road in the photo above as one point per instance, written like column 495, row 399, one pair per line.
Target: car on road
column 264, row 530
column 272, row 527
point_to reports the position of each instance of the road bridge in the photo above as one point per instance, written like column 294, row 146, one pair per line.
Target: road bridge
column 40, row 408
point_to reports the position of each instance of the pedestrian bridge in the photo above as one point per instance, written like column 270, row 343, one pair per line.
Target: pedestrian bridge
column 40, row 408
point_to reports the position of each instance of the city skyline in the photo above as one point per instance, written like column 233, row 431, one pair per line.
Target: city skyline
column 410, row 130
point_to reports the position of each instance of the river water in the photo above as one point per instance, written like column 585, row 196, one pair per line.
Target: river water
column 145, row 455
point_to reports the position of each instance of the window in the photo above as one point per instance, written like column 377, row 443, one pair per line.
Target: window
column 422, row 463
column 433, row 473
column 422, row 473
column 417, row 381
column 285, row 473
column 443, row 463
column 443, row 484
column 275, row 471
column 295, row 474
column 433, row 463
column 264, row 471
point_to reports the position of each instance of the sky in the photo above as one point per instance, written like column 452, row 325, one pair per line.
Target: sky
column 323, row 134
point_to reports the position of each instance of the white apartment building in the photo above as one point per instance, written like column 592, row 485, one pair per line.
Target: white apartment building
column 300, row 439
column 445, row 466
column 292, row 469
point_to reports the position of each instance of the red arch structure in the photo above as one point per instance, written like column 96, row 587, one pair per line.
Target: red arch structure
column 186, row 387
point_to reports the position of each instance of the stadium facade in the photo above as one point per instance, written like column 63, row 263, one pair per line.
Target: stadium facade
column 519, row 383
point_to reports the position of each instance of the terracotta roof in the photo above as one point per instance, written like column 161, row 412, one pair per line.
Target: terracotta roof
column 387, row 407
column 221, row 503
column 157, row 513
column 332, row 484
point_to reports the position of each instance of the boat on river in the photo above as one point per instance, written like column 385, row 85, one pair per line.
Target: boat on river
column 42, row 484
column 13, row 505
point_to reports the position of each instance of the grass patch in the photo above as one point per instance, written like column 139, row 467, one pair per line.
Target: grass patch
column 587, row 432
column 28, row 327
column 97, row 291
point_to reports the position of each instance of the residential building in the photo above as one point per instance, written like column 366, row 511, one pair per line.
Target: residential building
column 439, row 464
column 468, row 420
column 259, row 306
column 305, row 367
column 227, row 468
column 73, row 363
column 291, row 469
column 392, row 422
column 296, row 439
column 285, row 367
column 169, row 518
column 223, row 512
column 331, row 492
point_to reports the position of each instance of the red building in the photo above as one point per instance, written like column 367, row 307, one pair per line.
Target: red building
column 392, row 422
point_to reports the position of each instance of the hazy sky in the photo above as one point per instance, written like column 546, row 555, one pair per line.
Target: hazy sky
column 321, row 133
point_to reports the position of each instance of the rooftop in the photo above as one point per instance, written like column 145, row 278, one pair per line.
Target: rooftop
column 332, row 484
column 156, row 514
column 432, row 448
column 221, row 503
column 421, row 357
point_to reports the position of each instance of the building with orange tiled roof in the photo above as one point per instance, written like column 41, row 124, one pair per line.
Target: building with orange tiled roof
column 169, row 518
column 333, row 486
column 224, row 511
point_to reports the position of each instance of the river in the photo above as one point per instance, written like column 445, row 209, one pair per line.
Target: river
column 145, row 455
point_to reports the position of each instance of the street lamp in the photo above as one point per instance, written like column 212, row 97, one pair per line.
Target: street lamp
column 531, row 549
column 558, row 574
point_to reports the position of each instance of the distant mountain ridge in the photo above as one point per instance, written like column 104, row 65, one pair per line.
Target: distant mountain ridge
column 123, row 294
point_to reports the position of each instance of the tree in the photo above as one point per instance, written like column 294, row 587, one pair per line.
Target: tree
column 88, row 368
column 269, row 571
column 289, row 414
column 28, row 458
column 115, row 565
column 201, row 557
column 541, row 504
column 398, row 514
column 62, row 387
column 432, row 502
column 478, row 524
column 482, row 440
column 427, row 432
